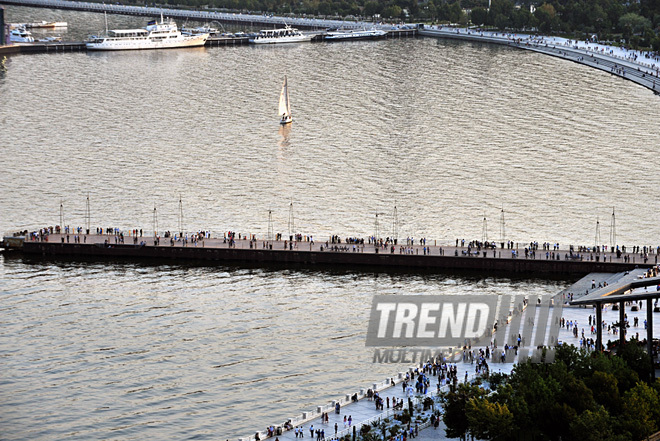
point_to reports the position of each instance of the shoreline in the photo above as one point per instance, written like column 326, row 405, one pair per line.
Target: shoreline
column 577, row 316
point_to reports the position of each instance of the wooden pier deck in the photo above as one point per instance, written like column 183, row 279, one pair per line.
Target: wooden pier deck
column 431, row 257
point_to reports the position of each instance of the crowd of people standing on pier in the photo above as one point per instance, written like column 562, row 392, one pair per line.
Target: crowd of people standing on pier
column 407, row 246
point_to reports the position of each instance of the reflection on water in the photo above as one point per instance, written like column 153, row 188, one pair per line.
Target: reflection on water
column 284, row 132
column 3, row 66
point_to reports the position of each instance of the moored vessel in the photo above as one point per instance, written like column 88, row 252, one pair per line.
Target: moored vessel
column 20, row 35
column 364, row 34
column 283, row 35
column 163, row 35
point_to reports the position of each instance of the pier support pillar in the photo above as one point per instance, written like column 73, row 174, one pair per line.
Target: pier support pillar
column 649, row 333
column 622, row 323
column 599, row 327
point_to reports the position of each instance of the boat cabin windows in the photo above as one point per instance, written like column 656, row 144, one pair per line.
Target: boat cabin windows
column 127, row 33
column 278, row 33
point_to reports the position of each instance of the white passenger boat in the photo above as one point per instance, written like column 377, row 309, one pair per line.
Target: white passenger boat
column 284, row 35
column 20, row 35
column 365, row 34
column 163, row 35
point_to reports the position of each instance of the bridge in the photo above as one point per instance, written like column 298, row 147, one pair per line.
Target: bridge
column 252, row 20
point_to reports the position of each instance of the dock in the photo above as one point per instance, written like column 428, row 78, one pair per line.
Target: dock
column 79, row 46
column 429, row 257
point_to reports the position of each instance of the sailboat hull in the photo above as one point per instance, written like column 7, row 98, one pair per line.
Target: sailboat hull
column 286, row 120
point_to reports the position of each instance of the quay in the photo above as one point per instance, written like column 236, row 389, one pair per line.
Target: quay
column 409, row 257
column 78, row 46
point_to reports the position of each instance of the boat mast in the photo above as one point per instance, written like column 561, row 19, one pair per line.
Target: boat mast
column 288, row 104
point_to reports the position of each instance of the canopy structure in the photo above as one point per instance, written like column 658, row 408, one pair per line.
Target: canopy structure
column 625, row 288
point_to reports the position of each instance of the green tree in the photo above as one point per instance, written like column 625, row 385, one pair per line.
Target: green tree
column 605, row 388
column 392, row 11
column 632, row 24
column 486, row 420
column 502, row 22
column 454, row 404
column 479, row 16
column 523, row 19
column 547, row 17
column 640, row 411
column 372, row 8
column 592, row 426
column 456, row 14
column 637, row 359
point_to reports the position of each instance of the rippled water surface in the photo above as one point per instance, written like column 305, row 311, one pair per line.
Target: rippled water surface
column 449, row 132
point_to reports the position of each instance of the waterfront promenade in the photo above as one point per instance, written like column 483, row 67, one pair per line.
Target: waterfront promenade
column 532, row 258
column 578, row 333
column 640, row 67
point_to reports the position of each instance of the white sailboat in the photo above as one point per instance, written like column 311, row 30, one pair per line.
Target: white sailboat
column 285, row 105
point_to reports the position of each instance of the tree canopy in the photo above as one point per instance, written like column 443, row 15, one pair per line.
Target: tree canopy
column 581, row 396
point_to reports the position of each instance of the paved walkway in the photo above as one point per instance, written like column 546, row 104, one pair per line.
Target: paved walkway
column 364, row 411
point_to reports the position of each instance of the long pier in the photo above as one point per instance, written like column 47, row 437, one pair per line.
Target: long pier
column 430, row 257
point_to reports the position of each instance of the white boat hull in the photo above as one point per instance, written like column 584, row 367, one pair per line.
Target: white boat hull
column 355, row 35
column 148, row 43
column 278, row 40
column 21, row 36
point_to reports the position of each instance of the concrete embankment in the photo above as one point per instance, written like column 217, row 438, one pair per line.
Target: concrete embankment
column 368, row 257
column 642, row 73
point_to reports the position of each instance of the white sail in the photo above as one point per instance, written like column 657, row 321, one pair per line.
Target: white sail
column 285, row 106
